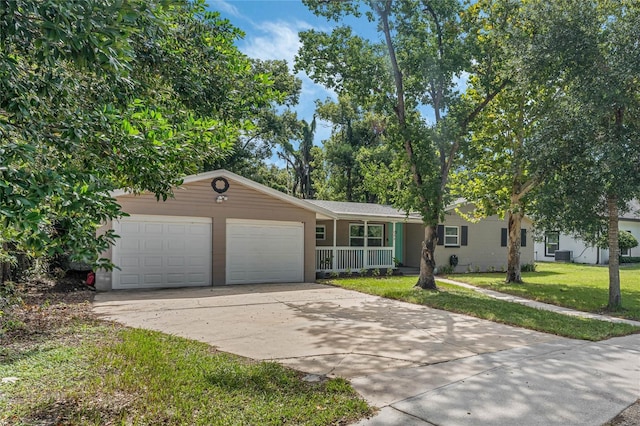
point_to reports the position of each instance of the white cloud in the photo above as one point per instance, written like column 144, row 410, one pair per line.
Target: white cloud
column 226, row 7
column 279, row 40
column 275, row 40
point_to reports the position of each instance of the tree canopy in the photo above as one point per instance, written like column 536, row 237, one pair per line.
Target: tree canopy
column 427, row 47
column 96, row 96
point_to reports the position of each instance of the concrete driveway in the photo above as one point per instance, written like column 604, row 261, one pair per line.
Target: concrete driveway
column 420, row 365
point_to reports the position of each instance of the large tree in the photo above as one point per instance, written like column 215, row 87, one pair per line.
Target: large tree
column 96, row 96
column 589, row 50
column 355, row 133
column 299, row 161
column 427, row 46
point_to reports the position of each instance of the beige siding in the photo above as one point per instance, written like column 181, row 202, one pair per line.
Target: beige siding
column 199, row 200
column 328, row 241
column 483, row 251
column 413, row 237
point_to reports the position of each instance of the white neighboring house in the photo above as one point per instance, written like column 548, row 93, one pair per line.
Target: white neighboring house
column 557, row 246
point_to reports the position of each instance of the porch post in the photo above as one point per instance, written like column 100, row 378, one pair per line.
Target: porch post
column 365, row 255
column 335, row 252
column 393, row 242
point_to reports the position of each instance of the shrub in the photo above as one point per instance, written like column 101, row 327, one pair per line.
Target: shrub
column 629, row 259
column 528, row 267
column 445, row 270
column 626, row 240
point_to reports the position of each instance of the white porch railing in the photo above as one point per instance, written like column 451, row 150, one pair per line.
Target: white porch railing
column 353, row 258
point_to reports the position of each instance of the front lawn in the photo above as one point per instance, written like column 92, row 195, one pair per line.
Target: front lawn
column 581, row 287
column 465, row 301
column 59, row 366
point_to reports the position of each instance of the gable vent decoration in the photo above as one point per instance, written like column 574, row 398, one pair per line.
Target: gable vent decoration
column 220, row 185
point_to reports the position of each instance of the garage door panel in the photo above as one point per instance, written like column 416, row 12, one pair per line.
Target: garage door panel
column 152, row 228
column 175, row 261
column 264, row 251
column 156, row 251
column 152, row 261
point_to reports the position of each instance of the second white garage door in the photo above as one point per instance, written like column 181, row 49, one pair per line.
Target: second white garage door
column 263, row 251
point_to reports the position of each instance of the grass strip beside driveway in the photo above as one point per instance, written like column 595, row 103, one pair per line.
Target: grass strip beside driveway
column 465, row 301
column 581, row 287
column 93, row 373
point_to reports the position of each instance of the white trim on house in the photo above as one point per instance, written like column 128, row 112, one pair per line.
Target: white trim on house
column 456, row 236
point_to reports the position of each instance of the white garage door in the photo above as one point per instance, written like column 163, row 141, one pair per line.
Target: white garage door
column 162, row 251
column 264, row 251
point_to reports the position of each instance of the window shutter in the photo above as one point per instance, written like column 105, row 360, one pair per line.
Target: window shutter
column 440, row 235
column 523, row 237
column 503, row 237
column 465, row 235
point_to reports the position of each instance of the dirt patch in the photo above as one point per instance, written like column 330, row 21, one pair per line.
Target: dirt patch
column 38, row 309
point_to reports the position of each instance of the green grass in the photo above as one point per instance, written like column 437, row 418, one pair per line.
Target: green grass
column 96, row 374
column 465, row 301
column 581, row 287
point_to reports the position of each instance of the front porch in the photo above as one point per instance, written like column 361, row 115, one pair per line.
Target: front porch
column 357, row 245
column 353, row 259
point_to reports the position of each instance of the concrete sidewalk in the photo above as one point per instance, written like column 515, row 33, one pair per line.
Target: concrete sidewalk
column 539, row 305
column 419, row 365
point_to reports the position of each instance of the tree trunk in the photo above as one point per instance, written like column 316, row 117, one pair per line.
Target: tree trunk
column 5, row 267
column 513, row 248
column 426, row 280
column 615, row 298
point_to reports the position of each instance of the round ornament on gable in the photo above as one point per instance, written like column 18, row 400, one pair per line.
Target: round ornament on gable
column 220, row 185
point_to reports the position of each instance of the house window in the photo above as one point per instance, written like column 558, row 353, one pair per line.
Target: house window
column 357, row 237
column 321, row 232
column 451, row 236
column 551, row 243
column 374, row 235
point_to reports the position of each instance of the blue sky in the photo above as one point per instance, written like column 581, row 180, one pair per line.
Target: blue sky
column 271, row 28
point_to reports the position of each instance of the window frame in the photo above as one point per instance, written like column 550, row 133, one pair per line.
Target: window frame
column 323, row 232
column 370, row 238
column 366, row 238
column 457, row 236
column 547, row 253
column 359, row 237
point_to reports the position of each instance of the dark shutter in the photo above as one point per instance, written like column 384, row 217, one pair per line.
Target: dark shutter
column 503, row 237
column 465, row 236
column 440, row 235
column 523, row 237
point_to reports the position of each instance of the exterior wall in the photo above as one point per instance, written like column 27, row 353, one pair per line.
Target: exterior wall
column 632, row 226
column 413, row 237
column 583, row 252
column 483, row 251
column 199, row 200
column 328, row 240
